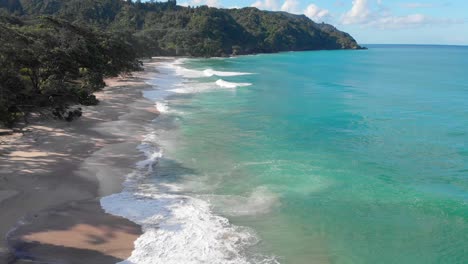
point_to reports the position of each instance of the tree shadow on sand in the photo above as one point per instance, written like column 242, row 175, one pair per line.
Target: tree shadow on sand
column 79, row 232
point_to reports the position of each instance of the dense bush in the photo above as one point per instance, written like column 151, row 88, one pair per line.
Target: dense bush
column 56, row 52
column 163, row 28
column 52, row 62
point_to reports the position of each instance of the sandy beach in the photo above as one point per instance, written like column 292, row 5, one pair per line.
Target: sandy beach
column 53, row 174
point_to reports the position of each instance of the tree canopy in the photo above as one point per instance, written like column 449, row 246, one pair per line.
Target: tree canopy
column 52, row 62
column 55, row 52
column 167, row 29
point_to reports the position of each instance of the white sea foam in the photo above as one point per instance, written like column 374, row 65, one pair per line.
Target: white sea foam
column 191, row 73
column 179, row 228
column 199, row 87
column 225, row 84
column 187, row 85
column 193, row 87
column 260, row 201
column 162, row 107
column 188, row 73
column 152, row 152
column 211, row 72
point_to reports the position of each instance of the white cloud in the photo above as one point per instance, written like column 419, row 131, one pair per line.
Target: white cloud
column 316, row 13
column 417, row 5
column 290, row 6
column 266, row 4
column 411, row 21
column 212, row 3
column 361, row 13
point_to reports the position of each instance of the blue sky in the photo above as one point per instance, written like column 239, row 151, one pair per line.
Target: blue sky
column 375, row 21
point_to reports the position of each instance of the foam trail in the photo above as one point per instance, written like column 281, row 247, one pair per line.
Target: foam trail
column 179, row 228
column 211, row 72
column 152, row 153
column 193, row 87
column 162, row 107
column 260, row 201
column 225, row 84
column 190, row 73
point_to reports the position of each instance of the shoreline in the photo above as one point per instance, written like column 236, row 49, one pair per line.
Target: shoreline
column 54, row 174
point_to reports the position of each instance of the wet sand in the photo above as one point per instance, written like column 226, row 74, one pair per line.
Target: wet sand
column 53, row 174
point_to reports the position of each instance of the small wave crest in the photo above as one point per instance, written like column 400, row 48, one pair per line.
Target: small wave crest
column 191, row 73
column 193, row 87
column 178, row 227
column 225, row 84
column 211, row 72
column 162, row 107
column 152, row 152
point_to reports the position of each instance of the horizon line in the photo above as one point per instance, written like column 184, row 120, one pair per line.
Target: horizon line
column 415, row 44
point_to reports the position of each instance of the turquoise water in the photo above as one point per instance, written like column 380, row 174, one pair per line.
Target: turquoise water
column 335, row 156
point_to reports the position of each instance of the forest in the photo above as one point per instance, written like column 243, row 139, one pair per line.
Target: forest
column 55, row 53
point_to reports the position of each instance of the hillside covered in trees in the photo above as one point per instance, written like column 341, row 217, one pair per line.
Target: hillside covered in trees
column 48, row 62
column 167, row 29
column 56, row 52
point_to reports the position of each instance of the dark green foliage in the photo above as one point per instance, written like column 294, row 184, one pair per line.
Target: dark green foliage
column 12, row 6
column 163, row 28
column 66, row 113
column 56, row 52
column 47, row 62
column 280, row 31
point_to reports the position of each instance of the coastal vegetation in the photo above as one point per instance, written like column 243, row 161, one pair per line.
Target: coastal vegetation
column 49, row 62
column 54, row 53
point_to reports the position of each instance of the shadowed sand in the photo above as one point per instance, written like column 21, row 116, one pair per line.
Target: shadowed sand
column 52, row 175
column 74, row 233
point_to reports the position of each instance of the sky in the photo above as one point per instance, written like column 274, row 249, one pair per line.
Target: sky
column 375, row 21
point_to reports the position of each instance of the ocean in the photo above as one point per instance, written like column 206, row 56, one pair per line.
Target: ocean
column 305, row 157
